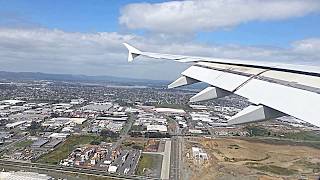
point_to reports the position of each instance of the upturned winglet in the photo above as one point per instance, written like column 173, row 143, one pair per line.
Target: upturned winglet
column 133, row 52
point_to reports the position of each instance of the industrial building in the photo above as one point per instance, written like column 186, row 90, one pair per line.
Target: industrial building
column 39, row 143
column 157, row 128
column 198, row 153
column 52, row 144
column 24, row 175
column 12, row 102
column 170, row 111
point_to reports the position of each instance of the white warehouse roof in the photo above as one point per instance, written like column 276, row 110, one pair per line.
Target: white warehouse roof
column 11, row 102
column 159, row 128
column 169, row 110
column 78, row 120
column 112, row 169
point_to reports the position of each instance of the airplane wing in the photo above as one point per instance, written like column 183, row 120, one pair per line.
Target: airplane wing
column 274, row 89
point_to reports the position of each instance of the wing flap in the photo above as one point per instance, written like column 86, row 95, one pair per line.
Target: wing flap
column 254, row 114
column 299, row 103
column 223, row 80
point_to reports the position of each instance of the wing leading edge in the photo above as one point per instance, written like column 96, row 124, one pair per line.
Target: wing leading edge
column 274, row 89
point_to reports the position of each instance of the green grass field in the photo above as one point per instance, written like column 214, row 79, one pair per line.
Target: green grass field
column 275, row 170
column 303, row 135
column 128, row 144
column 65, row 149
column 23, row 144
column 149, row 164
column 314, row 166
column 257, row 131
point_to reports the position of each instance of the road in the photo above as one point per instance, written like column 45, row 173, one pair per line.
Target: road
column 45, row 167
column 176, row 154
column 127, row 160
column 124, row 133
column 129, row 165
column 165, row 169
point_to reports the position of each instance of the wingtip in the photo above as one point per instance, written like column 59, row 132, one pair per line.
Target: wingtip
column 133, row 52
column 127, row 45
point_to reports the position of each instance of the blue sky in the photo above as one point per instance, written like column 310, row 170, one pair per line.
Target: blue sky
column 281, row 32
column 73, row 15
column 272, row 33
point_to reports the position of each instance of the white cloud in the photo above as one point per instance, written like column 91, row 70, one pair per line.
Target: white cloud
column 207, row 15
column 307, row 46
column 56, row 51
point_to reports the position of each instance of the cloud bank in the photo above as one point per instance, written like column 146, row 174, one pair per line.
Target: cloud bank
column 207, row 15
column 57, row 51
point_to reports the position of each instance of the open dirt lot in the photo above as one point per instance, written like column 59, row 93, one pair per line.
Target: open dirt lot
column 246, row 159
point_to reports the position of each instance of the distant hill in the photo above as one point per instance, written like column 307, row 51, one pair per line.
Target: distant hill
column 4, row 75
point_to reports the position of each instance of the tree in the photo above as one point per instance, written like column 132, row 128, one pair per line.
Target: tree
column 95, row 142
column 34, row 125
column 108, row 133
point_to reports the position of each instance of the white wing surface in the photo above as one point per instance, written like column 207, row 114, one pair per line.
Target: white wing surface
column 274, row 89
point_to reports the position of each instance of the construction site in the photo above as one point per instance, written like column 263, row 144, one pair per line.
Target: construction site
column 226, row 158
